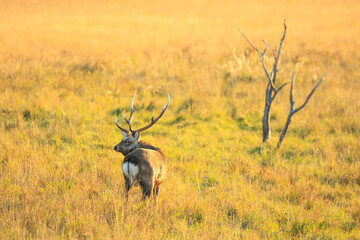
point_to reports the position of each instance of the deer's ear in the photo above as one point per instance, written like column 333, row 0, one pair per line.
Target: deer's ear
column 136, row 135
column 123, row 133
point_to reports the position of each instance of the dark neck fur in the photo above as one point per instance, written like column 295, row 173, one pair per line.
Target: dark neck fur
column 142, row 144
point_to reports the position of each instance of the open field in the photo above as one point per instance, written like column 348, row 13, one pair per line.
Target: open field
column 68, row 68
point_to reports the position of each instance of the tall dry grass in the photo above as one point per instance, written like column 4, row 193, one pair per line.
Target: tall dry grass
column 68, row 68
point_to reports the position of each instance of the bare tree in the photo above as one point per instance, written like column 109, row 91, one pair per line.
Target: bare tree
column 292, row 110
column 271, row 90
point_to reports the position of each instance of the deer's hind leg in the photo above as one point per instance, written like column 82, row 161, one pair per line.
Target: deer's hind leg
column 147, row 186
column 127, row 188
column 156, row 191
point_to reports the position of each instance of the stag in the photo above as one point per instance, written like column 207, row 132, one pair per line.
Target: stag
column 144, row 164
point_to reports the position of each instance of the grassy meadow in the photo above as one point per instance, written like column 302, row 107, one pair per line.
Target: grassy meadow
column 68, row 68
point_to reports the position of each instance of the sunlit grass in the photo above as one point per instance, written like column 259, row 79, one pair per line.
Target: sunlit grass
column 68, row 69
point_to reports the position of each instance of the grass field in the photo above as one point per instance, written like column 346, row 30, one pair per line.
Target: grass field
column 68, row 68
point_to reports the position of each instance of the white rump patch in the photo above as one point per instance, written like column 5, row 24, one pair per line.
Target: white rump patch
column 130, row 171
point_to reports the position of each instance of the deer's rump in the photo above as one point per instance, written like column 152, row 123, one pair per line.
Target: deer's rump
column 144, row 164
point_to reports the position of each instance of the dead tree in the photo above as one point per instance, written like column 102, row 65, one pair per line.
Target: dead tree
column 271, row 90
column 292, row 110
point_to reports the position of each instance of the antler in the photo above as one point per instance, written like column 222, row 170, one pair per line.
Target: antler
column 153, row 121
column 122, row 129
column 128, row 120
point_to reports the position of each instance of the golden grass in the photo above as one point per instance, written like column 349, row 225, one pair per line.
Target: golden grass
column 68, row 68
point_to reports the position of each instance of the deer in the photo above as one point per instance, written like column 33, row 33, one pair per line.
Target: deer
column 143, row 164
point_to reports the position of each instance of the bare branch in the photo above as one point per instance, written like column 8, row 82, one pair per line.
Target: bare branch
column 279, row 89
column 282, row 87
column 263, row 64
column 291, row 92
column 274, row 53
column 261, row 58
column 266, row 47
column 309, row 96
column 251, row 43
column 292, row 111
column 276, row 61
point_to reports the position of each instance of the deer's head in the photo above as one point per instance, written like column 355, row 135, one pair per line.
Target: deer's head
column 129, row 141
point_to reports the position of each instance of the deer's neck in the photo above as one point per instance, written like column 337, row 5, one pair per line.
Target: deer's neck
column 142, row 144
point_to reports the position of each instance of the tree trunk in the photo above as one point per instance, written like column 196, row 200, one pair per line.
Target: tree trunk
column 288, row 121
column 266, row 122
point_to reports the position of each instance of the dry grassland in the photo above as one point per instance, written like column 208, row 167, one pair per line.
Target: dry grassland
column 67, row 68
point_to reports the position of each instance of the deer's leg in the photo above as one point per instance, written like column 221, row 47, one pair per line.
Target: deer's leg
column 156, row 191
column 147, row 189
column 147, row 186
column 127, row 188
